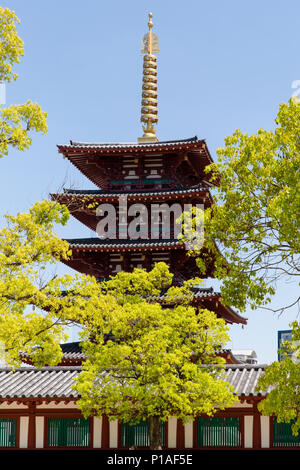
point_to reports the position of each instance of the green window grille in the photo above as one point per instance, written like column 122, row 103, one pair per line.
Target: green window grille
column 219, row 432
column 138, row 434
column 137, row 181
column 8, row 432
column 68, row 432
column 283, row 436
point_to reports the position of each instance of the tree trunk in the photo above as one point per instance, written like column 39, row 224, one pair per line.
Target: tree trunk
column 155, row 432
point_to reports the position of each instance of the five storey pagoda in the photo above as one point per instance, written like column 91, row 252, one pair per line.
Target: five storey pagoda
column 143, row 186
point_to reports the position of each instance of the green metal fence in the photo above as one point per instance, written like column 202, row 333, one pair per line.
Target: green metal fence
column 8, row 432
column 68, row 432
column 219, row 432
column 138, row 434
column 283, row 436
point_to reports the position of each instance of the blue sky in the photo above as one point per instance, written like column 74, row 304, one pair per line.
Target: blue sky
column 222, row 66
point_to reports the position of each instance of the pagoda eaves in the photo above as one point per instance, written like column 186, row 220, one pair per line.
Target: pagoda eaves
column 82, row 203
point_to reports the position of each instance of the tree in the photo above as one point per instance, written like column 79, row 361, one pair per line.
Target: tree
column 151, row 361
column 16, row 121
column 252, row 230
column 34, row 311
column 281, row 380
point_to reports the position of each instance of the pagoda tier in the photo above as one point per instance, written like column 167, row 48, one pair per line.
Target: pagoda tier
column 102, row 258
column 82, row 204
column 139, row 166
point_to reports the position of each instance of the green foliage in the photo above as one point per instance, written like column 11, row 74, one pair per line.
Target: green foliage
column 16, row 121
column 252, row 230
column 145, row 369
column 281, row 380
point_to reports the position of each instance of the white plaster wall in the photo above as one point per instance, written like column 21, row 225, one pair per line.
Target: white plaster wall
column 188, row 434
column 172, row 432
column 113, row 434
column 24, row 423
column 265, row 431
column 97, row 435
column 248, row 430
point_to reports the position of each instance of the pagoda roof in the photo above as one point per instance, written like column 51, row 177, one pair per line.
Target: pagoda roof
column 103, row 193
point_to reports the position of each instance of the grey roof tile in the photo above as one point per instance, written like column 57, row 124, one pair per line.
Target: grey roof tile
column 114, row 193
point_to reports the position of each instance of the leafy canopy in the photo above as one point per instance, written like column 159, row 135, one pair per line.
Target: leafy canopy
column 252, row 233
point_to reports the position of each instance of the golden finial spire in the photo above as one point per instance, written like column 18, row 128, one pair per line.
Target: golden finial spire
column 149, row 93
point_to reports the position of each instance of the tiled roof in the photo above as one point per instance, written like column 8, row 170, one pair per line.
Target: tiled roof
column 201, row 292
column 48, row 382
column 72, row 350
column 244, row 378
column 57, row 382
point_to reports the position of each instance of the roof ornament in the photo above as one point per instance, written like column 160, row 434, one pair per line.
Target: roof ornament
column 149, row 89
